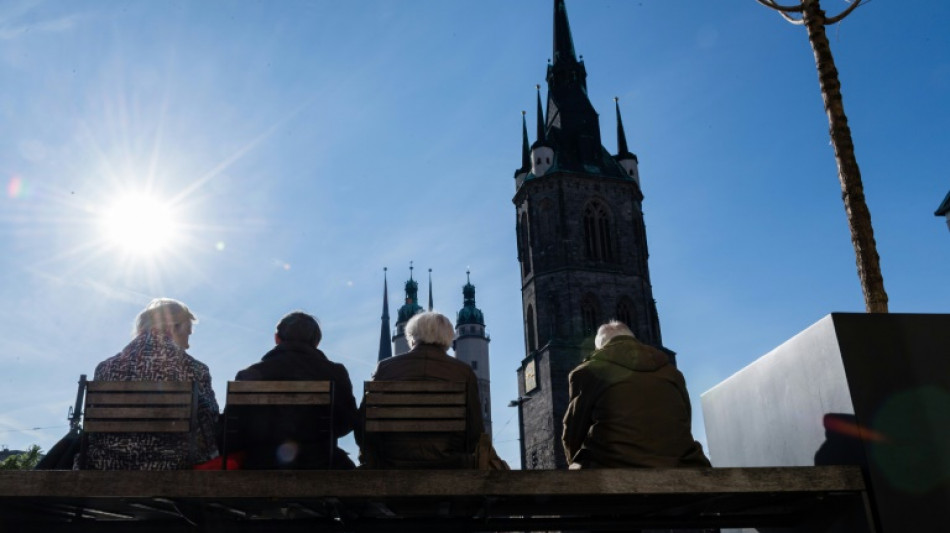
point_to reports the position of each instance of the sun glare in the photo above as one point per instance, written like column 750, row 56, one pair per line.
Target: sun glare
column 139, row 224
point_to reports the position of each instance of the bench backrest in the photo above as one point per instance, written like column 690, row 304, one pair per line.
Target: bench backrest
column 138, row 407
column 264, row 403
column 414, row 406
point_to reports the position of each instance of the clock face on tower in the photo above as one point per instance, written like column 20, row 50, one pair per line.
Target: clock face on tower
column 530, row 377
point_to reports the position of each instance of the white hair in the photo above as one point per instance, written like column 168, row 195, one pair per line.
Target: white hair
column 161, row 314
column 430, row 328
column 608, row 331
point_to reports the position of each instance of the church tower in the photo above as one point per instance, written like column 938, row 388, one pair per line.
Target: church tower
column 581, row 245
column 407, row 311
column 471, row 347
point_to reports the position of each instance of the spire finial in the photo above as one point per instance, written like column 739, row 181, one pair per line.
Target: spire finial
column 410, row 269
column 468, row 275
column 621, row 136
column 430, row 289
column 541, row 135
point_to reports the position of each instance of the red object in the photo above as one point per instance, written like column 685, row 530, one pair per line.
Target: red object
column 235, row 460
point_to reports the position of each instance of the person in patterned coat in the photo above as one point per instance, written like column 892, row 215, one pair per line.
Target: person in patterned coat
column 157, row 353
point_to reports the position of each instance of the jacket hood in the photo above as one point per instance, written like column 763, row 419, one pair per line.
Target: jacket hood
column 630, row 353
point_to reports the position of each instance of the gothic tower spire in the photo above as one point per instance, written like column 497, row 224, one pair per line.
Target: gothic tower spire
column 385, row 341
column 407, row 311
column 525, row 147
column 582, row 248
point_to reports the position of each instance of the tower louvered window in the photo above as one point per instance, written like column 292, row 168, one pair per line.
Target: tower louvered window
column 524, row 244
column 529, row 329
column 626, row 314
column 598, row 239
column 590, row 318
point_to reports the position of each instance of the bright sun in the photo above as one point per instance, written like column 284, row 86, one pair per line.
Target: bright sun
column 139, row 224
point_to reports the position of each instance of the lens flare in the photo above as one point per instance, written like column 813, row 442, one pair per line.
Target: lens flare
column 15, row 187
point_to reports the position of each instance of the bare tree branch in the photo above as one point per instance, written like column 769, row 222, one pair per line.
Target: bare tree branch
column 793, row 20
column 784, row 9
column 837, row 18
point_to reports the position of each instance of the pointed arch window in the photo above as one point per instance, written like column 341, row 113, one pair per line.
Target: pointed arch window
column 626, row 313
column 590, row 316
column 524, row 245
column 529, row 330
column 598, row 237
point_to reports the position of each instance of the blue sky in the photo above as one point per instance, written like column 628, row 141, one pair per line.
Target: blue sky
column 304, row 146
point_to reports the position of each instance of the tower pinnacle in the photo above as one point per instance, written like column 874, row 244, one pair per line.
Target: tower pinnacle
column 385, row 341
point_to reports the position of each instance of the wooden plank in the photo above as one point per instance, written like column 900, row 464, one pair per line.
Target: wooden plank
column 414, row 399
column 135, row 398
column 137, row 412
column 301, row 484
column 414, row 426
column 414, row 386
column 278, row 386
column 136, row 426
column 140, row 386
column 416, row 412
column 278, row 399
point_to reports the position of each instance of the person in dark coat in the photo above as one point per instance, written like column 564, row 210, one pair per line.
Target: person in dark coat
column 430, row 335
column 283, row 437
column 628, row 408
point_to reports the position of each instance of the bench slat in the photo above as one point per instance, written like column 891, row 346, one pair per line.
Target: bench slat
column 133, row 426
column 129, row 398
column 414, row 426
column 252, row 387
column 415, row 412
column 278, row 399
column 137, row 412
column 415, row 399
column 139, row 386
column 414, row 386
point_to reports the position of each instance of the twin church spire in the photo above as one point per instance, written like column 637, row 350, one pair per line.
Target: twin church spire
column 468, row 314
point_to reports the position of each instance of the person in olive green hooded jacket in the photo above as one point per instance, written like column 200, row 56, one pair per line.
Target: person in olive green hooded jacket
column 628, row 408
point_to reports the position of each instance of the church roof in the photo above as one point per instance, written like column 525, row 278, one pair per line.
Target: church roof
column 571, row 126
column 469, row 314
column 411, row 307
column 944, row 206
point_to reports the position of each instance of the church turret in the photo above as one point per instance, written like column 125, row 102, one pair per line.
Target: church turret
column 522, row 172
column 407, row 311
column 471, row 346
column 385, row 340
column 626, row 159
column 542, row 156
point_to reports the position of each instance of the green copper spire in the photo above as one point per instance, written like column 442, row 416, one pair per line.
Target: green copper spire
column 469, row 314
column 411, row 307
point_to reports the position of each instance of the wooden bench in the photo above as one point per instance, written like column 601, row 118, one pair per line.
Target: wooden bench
column 428, row 407
column 313, row 420
column 138, row 407
column 808, row 498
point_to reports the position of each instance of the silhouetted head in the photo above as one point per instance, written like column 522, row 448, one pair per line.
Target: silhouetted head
column 298, row 327
column 168, row 316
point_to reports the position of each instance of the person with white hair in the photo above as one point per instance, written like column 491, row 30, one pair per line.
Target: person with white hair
column 430, row 335
column 628, row 407
column 157, row 353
